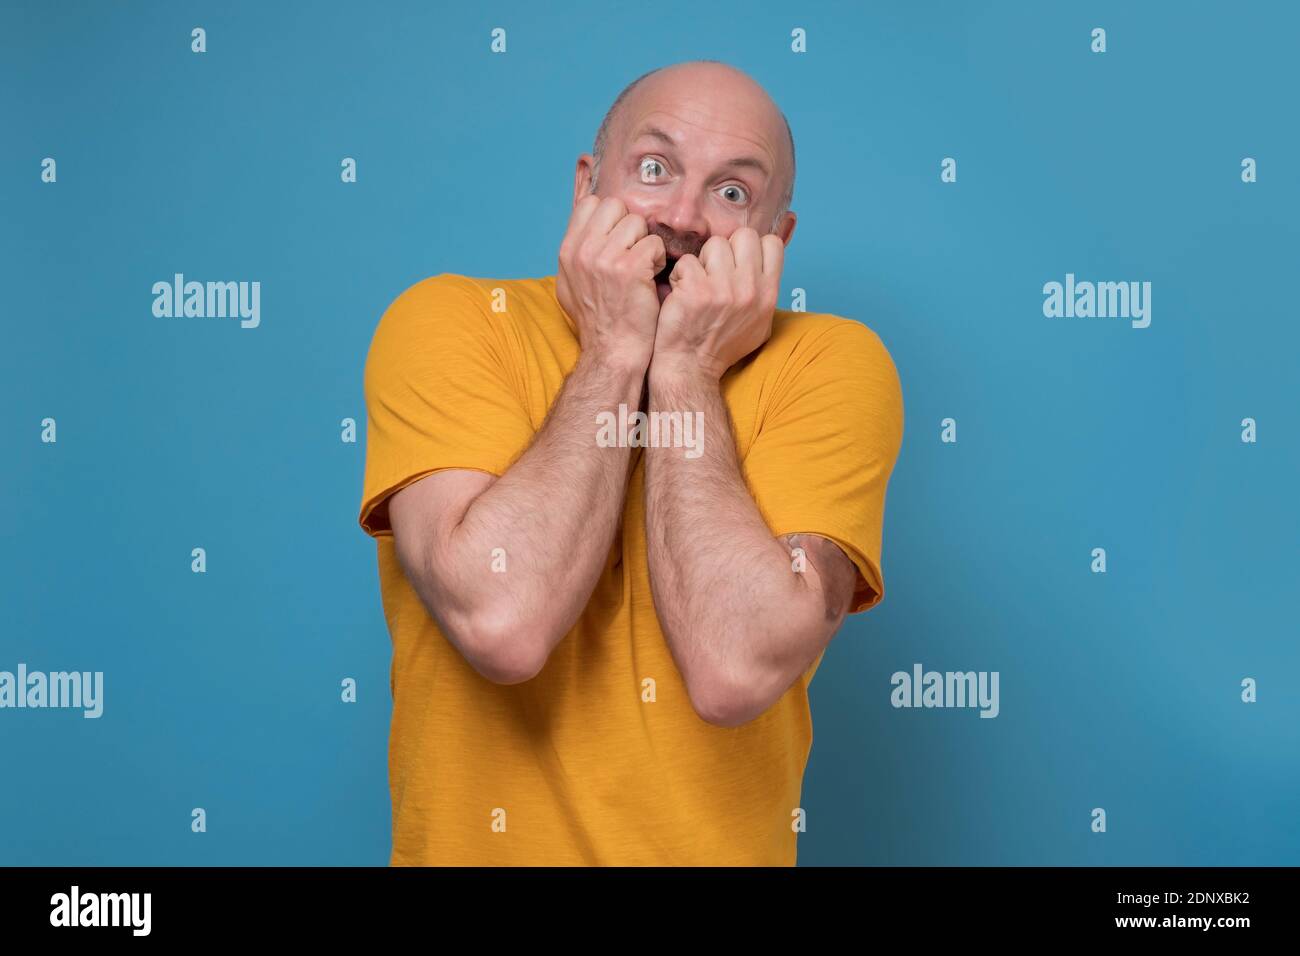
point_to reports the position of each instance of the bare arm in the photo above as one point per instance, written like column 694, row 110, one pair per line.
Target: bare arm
column 554, row 512
column 553, row 516
column 742, row 623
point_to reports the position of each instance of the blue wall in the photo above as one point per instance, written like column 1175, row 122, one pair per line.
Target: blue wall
column 1119, row 690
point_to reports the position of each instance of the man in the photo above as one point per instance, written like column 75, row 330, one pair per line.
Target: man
column 602, row 648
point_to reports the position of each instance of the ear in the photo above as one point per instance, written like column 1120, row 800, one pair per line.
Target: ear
column 582, row 177
column 785, row 228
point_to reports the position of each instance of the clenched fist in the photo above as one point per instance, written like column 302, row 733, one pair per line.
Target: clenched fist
column 721, row 305
column 605, row 282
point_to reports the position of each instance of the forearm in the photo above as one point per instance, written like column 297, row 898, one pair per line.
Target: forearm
column 724, row 587
column 553, row 515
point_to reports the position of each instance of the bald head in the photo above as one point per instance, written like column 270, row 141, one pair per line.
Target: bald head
column 715, row 97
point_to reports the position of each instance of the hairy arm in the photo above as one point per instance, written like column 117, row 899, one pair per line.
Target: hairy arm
column 741, row 622
column 506, row 565
column 553, row 514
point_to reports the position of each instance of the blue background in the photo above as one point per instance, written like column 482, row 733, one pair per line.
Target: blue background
column 1119, row 691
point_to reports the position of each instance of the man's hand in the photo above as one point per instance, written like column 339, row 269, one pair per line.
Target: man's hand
column 605, row 282
column 721, row 305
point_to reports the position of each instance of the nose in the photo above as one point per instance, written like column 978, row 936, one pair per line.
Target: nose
column 682, row 213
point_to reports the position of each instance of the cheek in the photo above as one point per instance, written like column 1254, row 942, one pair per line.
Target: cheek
column 727, row 217
column 639, row 203
column 725, row 222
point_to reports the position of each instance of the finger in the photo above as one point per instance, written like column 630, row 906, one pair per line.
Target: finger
column 651, row 250
column 773, row 256
column 747, row 250
column 716, row 256
column 688, row 267
column 607, row 215
column 628, row 231
column 582, row 212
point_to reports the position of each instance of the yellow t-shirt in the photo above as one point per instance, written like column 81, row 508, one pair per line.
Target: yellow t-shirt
column 577, row 766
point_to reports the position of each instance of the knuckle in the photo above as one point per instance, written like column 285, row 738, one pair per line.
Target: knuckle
column 609, row 267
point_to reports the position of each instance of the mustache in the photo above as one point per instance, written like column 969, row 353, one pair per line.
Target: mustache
column 676, row 247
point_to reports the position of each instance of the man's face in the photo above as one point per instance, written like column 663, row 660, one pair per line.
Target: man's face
column 695, row 166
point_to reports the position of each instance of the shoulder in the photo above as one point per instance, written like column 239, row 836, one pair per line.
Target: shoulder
column 434, row 296
column 450, row 303
column 431, row 323
column 822, row 340
column 441, row 306
column 835, row 366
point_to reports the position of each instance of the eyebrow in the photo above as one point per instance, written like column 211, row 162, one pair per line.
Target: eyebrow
column 739, row 162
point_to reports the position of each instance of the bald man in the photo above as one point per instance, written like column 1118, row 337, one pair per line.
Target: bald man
column 622, row 510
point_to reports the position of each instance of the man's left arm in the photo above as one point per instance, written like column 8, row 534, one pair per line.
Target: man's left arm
column 741, row 621
column 744, row 614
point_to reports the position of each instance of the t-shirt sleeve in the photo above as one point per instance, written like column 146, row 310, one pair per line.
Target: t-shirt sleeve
column 441, row 391
column 822, row 457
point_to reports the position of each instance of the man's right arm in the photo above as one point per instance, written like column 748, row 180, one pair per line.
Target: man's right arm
column 553, row 514
column 554, row 511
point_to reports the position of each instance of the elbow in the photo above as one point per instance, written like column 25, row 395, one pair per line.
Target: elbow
column 503, row 648
column 489, row 630
column 724, row 701
column 733, row 695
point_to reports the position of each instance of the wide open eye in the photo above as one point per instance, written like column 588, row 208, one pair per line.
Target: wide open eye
column 736, row 188
column 652, row 170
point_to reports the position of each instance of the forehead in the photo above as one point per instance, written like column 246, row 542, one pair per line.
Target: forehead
column 718, row 122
